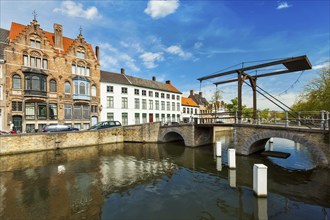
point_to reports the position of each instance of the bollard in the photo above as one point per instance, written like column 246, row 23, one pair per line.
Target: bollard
column 260, row 180
column 219, row 163
column 232, row 158
column 271, row 146
column 232, row 178
column 218, row 149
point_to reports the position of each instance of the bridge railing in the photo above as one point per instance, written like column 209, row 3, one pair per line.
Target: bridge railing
column 307, row 119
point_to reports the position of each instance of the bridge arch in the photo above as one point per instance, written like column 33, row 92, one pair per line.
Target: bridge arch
column 173, row 134
column 258, row 141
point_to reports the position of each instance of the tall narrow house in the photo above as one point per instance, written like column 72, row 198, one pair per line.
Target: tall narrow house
column 50, row 79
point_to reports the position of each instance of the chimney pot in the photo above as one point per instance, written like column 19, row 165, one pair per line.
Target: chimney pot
column 97, row 52
column 58, row 36
column 168, row 81
column 200, row 94
column 122, row 71
column 191, row 92
column 154, row 78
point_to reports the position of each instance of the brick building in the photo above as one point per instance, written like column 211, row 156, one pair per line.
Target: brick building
column 49, row 79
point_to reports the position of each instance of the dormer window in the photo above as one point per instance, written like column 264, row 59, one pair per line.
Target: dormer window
column 35, row 43
column 80, row 55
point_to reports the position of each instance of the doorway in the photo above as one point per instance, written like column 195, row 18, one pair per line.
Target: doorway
column 151, row 117
column 17, row 121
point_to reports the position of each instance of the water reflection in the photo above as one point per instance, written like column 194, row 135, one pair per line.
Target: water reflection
column 150, row 181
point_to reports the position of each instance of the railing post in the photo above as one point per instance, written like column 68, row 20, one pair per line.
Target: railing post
column 258, row 115
column 286, row 119
column 322, row 120
column 327, row 125
column 236, row 117
column 274, row 117
column 299, row 123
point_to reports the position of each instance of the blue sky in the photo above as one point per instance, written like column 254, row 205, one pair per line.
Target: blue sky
column 184, row 40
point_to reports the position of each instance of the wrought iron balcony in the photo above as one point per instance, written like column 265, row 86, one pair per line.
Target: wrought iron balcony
column 28, row 92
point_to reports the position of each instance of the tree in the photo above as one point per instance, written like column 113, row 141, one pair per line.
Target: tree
column 233, row 106
column 316, row 94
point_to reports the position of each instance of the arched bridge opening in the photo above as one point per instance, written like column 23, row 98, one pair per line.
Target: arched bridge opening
column 173, row 136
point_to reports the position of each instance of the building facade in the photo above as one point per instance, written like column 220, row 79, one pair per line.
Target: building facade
column 133, row 100
column 49, row 79
column 190, row 110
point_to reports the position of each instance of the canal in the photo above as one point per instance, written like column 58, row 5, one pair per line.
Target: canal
column 161, row 181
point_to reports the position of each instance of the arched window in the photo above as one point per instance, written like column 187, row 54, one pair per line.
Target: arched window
column 67, row 88
column 93, row 90
column 82, row 89
column 52, row 86
column 16, row 81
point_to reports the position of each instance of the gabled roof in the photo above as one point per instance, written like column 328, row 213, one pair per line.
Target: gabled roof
column 199, row 99
column 3, row 37
column 119, row 78
column 188, row 102
column 16, row 29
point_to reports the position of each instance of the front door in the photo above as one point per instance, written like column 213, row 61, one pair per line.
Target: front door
column 17, row 121
column 151, row 117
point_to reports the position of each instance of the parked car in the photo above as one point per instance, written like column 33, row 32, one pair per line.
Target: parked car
column 58, row 128
column 105, row 124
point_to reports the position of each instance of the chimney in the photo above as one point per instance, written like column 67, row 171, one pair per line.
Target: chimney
column 200, row 94
column 97, row 52
column 154, row 78
column 58, row 36
column 122, row 71
column 168, row 81
column 191, row 92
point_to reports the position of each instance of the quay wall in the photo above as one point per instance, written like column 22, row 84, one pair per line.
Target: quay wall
column 33, row 142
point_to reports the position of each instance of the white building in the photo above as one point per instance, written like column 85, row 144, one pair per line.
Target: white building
column 133, row 100
column 190, row 110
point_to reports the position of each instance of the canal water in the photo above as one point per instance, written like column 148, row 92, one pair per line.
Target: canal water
column 161, row 181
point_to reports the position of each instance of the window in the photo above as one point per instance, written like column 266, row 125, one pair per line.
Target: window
column 137, row 118
column 168, row 96
column 38, row 64
column 163, row 105
column 109, row 88
column 173, row 96
column 144, row 104
column 109, row 101
column 80, row 54
column 94, row 108
column 168, row 106
column 35, row 43
column 150, row 93
column 67, row 88
column 168, row 117
column 93, row 91
column 45, row 63
column 163, row 117
column 16, row 82
column 137, row 103
column 16, row 106
column 144, row 118
column 136, row 91
column 81, row 69
column 178, row 106
column 195, row 110
column 67, row 111
column 29, row 111
column 123, row 90
column 157, row 105
column 173, row 106
column 177, row 97
column 151, row 105
column 157, row 117
column 25, row 60
column 144, row 92
column 157, row 94
column 184, row 110
column 124, row 102
column 110, row 116
column 81, row 87
column 42, row 111
column 52, row 111
column 124, row 119
column 162, row 95
column 77, row 114
column 52, row 86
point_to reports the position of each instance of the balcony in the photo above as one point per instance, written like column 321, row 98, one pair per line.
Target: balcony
column 39, row 93
column 81, row 97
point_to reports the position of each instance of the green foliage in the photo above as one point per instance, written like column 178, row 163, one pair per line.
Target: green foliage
column 316, row 95
column 233, row 106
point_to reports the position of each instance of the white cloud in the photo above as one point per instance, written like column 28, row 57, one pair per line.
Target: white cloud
column 198, row 45
column 74, row 9
column 321, row 66
column 283, row 5
column 159, row 9
column 177, row 50
column 149, row 59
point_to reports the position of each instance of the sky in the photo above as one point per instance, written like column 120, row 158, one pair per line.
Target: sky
column 182, row 40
